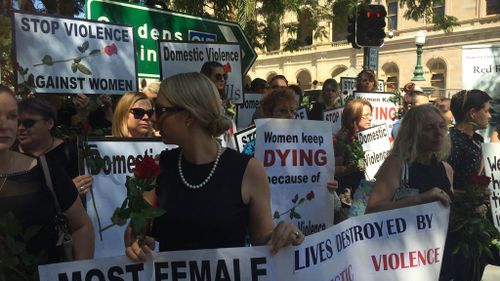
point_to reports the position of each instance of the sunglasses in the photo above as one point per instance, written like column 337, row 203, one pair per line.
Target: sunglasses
column 140, row 112
column 27, row 123
column 159, row 109
column 220, row 77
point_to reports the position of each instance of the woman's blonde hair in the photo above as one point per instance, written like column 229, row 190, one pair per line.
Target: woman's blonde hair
column 406, row 145
column 353, row 111
column 119, row 128
column 195, row 93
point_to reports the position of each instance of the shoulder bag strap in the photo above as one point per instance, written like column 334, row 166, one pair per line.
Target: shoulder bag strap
column 405, row 174
column 48, row 181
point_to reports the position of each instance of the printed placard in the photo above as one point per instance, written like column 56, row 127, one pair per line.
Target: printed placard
column 402, row 244
column 301, row 113
column 376, row 145
column 384, row 111
column 298, row 157
column 380, row 86
column 491, row 159
column 241, row 138
column 245, row 111
column 347, row 87
column 335, row 117
column 181, row 57
column 119, row 155
column 62, row 55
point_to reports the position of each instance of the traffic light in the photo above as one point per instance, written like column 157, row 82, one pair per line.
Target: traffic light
column 351, row 29
column 370, row 24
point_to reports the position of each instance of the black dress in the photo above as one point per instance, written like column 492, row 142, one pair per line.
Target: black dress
column 213, row 216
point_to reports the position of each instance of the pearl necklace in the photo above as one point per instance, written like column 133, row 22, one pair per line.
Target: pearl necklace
column 179, row 164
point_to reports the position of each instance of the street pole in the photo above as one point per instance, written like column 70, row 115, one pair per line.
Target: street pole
column 418, row 73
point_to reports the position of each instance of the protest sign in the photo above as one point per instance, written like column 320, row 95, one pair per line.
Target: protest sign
column 109, row 189
column 181, row 57
column 241, row 138
column 402, row 244
column 347, row 87
column 301, row 113
column 245, row 111
column 384, row 110
column 335, row 117
column 376, row 145
column 491, row 158
column 61, row 55
column 298, row 157
column 380, row 86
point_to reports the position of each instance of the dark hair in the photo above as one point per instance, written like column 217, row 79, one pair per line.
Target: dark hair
column 207, row 67
column 276, row 77
column 39, row 107
column 4, row 88
column 464, row 101
column 371, row 77
column 298, row 92
column 258, row 85
column 270, row 100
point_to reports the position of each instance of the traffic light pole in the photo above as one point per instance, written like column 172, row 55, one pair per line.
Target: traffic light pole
column 370, row 58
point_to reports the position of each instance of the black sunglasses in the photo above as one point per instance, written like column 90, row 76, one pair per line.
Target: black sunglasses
column 27, row 123
column 160, row 109
column 140, row 112
column 219, row 76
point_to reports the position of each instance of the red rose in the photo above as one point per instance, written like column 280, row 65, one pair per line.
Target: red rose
column 335, row 140
column 146, row 168
column 479, row 180
column 350, row 138
column 310, row 196
column 111, row 50
column 227, row 68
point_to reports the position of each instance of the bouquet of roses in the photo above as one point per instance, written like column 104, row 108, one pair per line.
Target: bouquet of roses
column 134, row 207
column 350, row 147
column 468, row 215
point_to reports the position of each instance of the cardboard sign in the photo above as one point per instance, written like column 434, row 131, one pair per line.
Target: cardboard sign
column 491, row 160
column 376, row 145
column 335, row 117
column 384, row 111
column 245, row 111
column 241, row 138
column 301, row 113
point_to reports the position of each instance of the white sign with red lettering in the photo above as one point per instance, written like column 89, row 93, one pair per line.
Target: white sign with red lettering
column 384, row 110
column 298, row 157
column 491, row 158
column 402, row 244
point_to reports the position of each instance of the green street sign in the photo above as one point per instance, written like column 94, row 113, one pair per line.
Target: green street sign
column 151, row 25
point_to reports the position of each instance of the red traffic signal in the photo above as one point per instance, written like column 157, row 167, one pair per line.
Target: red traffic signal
column 370, row 25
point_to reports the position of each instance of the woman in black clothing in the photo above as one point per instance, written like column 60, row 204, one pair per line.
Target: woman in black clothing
column 212, row 195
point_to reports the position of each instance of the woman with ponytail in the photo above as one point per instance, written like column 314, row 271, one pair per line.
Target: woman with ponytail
column 212, row 195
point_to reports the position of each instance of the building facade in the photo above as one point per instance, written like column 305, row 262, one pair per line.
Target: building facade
column 441, row 59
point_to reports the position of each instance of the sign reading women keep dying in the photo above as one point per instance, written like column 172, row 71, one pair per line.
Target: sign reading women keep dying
column 298, row 157
column 181, row 57
column 384, row 110
column 60, row 55
column 377, row 146
column 403, row 244
column 491, row 159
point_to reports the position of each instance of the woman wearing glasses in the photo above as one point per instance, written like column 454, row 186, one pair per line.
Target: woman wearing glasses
column 212, row 195
column 36, row 136
column 132, row 116
column 23, row 192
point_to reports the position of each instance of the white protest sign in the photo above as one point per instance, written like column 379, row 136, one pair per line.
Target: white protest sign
column 298, row 157
column 376, row 145
column 301, row 113
column 347, row 87
column 480, row 68
column 181, row 57
column 402, row 244
column 245, row 111
column 491, row 158
column 380, row 86
column 241, row 138
column 61, row 55
column 335, row 117
column 384, row 111
column 109, row 189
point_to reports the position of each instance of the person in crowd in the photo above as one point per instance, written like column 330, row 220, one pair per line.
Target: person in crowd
column 414, row 96
column 299, row 94
column 212, row 195
column 215, row 72
column 36, row 136
column 443, row 104
column 277, row 81
column 329, row 99
column 258, row 85
column 132, row 117
column 102, row 116
column 366, row 81
column 357, row 116
column 23, row 193
column 151, row 90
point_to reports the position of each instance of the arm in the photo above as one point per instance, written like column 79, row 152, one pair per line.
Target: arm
column 255, row 191
column 81, row 230
column 341, row 169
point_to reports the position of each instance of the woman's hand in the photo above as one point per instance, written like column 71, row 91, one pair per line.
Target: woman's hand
column 83, row 183
column 436, row 194
column 134, row 250
column 283, row 235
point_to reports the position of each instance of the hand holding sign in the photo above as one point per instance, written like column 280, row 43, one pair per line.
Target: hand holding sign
column 283, row 235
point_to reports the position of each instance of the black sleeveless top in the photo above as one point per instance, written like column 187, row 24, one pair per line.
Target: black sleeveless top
column 424, row 177
column 213, row 216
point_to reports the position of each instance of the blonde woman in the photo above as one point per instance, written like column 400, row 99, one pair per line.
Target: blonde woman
column 132, row 117
column 212, row 195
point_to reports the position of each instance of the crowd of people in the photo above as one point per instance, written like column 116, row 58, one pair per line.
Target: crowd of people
column 436, row 148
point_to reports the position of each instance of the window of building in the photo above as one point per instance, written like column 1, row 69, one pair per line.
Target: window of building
column 304, row 80
column 492, row 7
column 338, row 70
column 392, row 73
column 438, row 78
column 392, row 15
column 438, row 8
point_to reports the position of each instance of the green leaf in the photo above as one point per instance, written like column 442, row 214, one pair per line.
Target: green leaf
column 74, row 67
column 152, row 212
column 294, row 200
column 276, row 215
column 117, row 219
column 296, row 215
column 137, row 222
column 14, row 247
column 95, row 52
column 83, row 47
column 83, row 69
column 301, row 200
column 47, row 60
column 78, row 59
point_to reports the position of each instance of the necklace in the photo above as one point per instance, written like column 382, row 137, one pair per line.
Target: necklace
column 7, row 175
column 192, row 186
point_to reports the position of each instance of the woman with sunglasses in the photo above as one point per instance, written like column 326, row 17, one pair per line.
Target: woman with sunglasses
column 132, row 116
column 24, row 193
column 36, row 136
column 212, row 195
